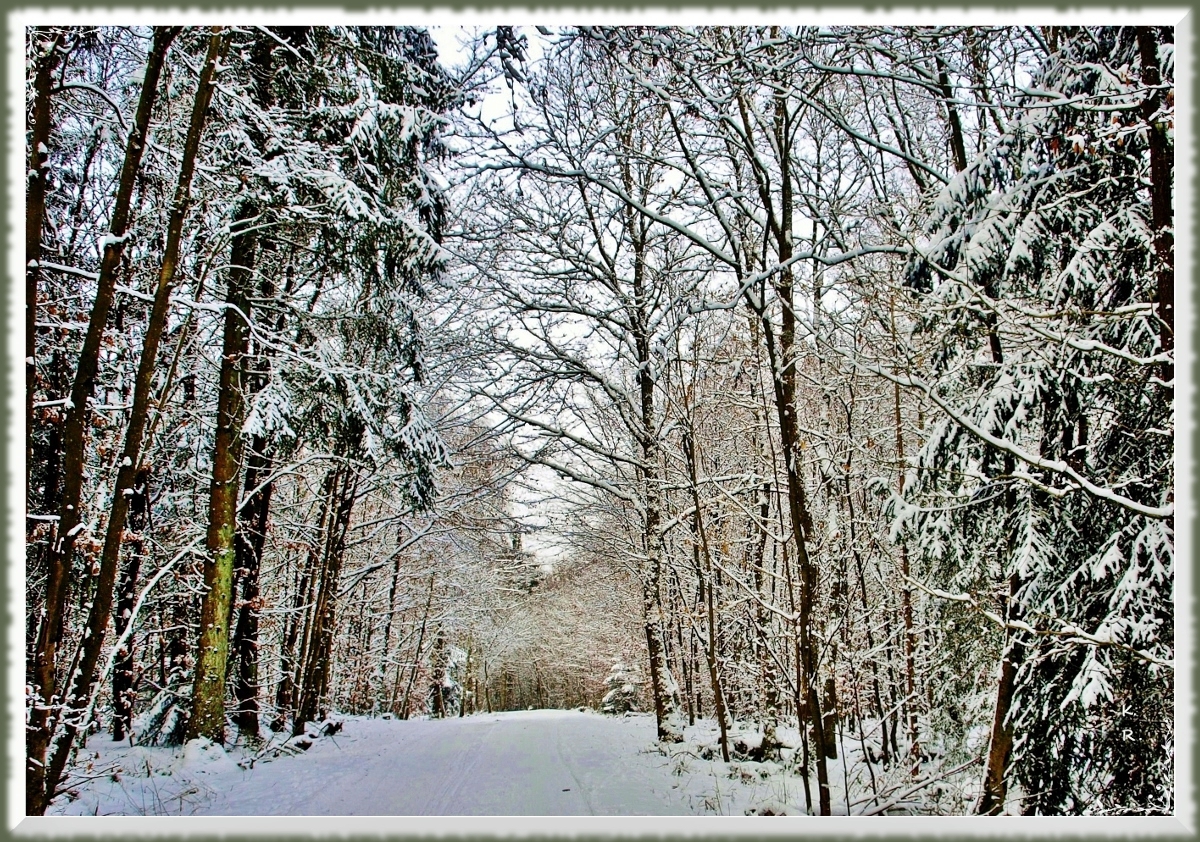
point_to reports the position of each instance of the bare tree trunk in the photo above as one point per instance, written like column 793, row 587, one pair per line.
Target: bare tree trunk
column 438, row 665
column 487, row 688
column 208, row 693
column 387, row 631
column 462, row 706
column 906, row 607
column 124, row 690
column 766, row 663
column 706, row 596
column 58, row 559
column 784, row 378
column 684, row 660
column 319, row 657
column 665, row 701
column 37, row 660
column 781, row 359
column 957, row 146
column 412, row 675
column 995, row 782
column 295, row 644
column 123, row 679
column 47, row 42
column 1161, row 185
column 212, row 661
column 251, row 544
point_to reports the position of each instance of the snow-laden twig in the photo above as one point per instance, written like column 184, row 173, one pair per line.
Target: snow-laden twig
column 917, row 787
column 92, row 89
column 1053, row 465
column 128, row 633
column 1068, row 631
column 66, row 270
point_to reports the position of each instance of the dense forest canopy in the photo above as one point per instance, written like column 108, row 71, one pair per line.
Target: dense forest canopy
column 813, row 378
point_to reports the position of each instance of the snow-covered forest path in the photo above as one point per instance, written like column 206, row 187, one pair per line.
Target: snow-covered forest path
column 542, row 762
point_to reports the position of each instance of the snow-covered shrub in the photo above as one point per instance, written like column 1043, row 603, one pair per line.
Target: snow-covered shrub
column 622, row 695
column 164, row 722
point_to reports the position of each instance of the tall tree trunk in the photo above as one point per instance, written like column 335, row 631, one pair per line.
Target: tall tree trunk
column 766, row 663
column 389, row 619
column 295, row 644
column 39, row 789
column 801, row 696
column 412, row 675
column 212, row 661
column 781, row 359
column 251, row 543
column 250, row 546
column 123, row 686
column 995, row 781
column 462, row 707
column 47, row 42
column 706, row 596
column 662, row 685
column 957, row 147
column 684, row 665
column 910, row 638
column 438, row 668
column 318, row 664
column 1161, row 185
column 783, row 373
column 208, row 694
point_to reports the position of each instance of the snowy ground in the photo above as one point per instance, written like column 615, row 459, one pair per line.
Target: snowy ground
column 529, row 763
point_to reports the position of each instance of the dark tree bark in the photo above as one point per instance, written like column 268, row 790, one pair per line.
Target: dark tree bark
column 957, row 147
column 782, row 362
column 906, row 607
column 48, row 42
column 123, row 679
column 378, row 693
column 250, row 546
column 251, row 543
column 1161, row 183
column 769, row 680
column 412, row 675
column 783, row 374
column 318, row 660
column 212, row 661
column 995, row 781
column 295, row 643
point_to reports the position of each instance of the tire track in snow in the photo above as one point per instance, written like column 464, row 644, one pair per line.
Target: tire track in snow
column 455, row 779
column 570, row 771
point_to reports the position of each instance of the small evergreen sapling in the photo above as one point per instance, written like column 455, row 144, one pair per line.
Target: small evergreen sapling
column 622, row 695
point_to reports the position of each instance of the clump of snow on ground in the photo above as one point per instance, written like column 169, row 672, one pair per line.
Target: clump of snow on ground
column 202, row 756
column 751, row 784
column 111, row 778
